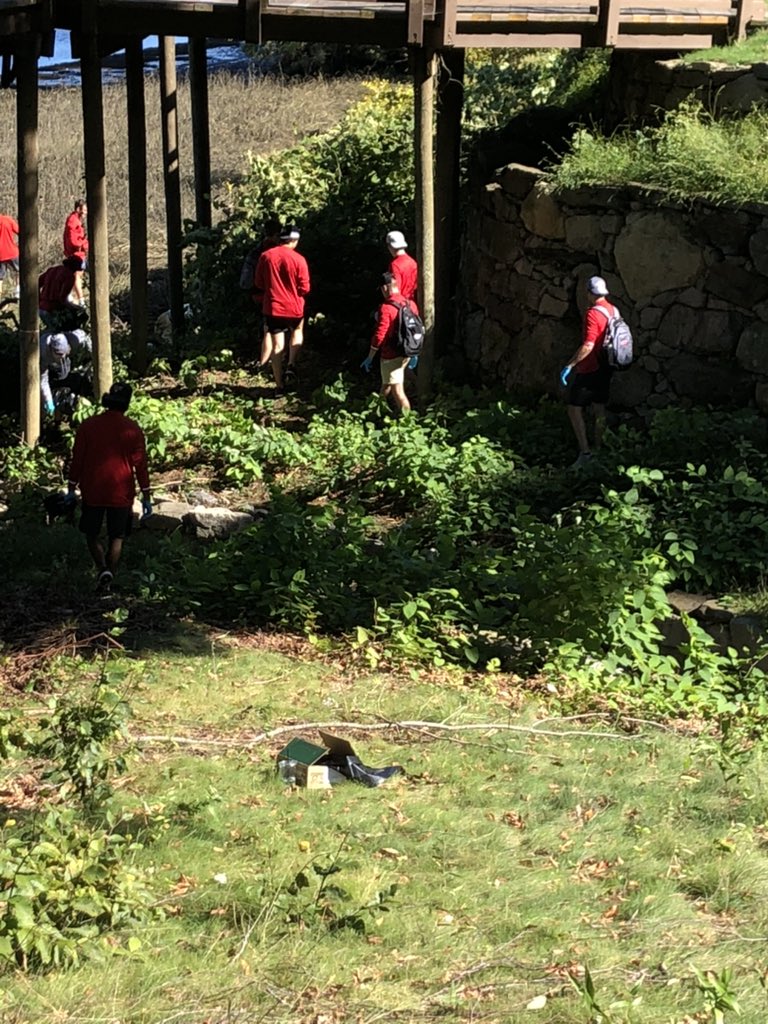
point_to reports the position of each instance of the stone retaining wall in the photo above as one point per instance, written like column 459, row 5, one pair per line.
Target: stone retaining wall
column 691, row 281
column 641, row 88
column 743, row 633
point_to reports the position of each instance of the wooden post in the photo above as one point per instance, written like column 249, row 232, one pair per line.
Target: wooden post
column 96, row 196
column 424, row 74
column 447, row 172
column 170, row 123
column 28, row 195
column 201, row 141
column 137, row 199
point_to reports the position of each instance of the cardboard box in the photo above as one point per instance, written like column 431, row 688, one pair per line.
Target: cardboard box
column 301, row 760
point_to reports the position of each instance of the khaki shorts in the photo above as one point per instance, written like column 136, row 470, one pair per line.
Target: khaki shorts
column 393, row 370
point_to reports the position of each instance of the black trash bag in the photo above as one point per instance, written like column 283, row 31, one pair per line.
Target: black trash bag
column 342, row 757
column 56, row 507
column 358, row 772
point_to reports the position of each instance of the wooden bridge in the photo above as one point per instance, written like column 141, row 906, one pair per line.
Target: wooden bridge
column 636, row 24
column 437, row 32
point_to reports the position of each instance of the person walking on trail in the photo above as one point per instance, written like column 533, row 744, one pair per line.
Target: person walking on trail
column 385, row 343
column 587, row 377
column 282, row 282
column 58, row 353
column 109, row 451
column 270, row 240
column 403, row 267
column 76, row 243
column 9, row 251
column 57, row 309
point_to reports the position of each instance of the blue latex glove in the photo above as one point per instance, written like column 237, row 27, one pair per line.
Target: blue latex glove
column 565, row 374
column 366, row 364
column 49, row 408
column 146, row 508
column 69, row 499
column 413, row 362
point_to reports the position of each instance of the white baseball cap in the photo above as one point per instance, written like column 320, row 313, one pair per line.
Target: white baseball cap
column 397, row 240
column 59, row 345
column 597, row 286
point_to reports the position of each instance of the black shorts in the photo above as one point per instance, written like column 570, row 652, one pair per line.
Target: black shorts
column 119, row 521
column 281, row 324
column 586, row 389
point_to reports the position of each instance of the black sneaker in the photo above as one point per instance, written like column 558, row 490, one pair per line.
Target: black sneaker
column 105, row 579
column 291, row 377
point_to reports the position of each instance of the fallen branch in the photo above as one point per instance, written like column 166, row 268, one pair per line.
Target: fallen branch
column 415, row 726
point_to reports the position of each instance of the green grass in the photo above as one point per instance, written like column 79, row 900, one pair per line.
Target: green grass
column 690, row 155
column 518, row 859
column 752, row 50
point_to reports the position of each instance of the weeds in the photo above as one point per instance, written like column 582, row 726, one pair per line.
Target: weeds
column 691, row 154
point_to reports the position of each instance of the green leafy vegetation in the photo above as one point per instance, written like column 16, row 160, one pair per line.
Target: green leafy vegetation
column 752, row 50
column 691, row 154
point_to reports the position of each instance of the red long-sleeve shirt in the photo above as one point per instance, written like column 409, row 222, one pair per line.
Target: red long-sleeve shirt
column 55, row 284
column 385, row 336
column 9, row 228
column 75, row 239
column 406, row 272
column 282, row 278
column 109, row 449
column 595, row 324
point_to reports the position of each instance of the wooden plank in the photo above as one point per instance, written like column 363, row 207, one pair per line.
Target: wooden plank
column 424, row 76
column 608, row 21
column 526, row 40
column 450, row 102
column 676, row 42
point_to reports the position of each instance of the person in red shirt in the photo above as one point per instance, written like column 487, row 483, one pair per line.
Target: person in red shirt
column 269, row 241
column 587, row 376
column 282, row 281
column 56, row 285
column 109, row 451
column 9, row 250
column 402, row 266
column 76, row 242
column 384, row 342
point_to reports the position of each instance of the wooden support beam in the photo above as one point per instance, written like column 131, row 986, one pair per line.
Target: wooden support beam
column 172, row 178
column 415, row 29
column 609, row 14
column 450, row 102
column 27, row 158
column 201, row 137
column 137, row 200
column 96, row 196
column 449, row 13
column 424, row 65
column 251, row 20
column 743, row 12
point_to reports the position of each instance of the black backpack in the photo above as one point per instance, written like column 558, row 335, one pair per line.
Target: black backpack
column 248, row 269
column 410, row 329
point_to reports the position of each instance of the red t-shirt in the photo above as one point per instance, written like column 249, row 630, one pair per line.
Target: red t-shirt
column 282, row 276
column 108, row 450
column 385, row 336
column 595, row 326
column 75, row 240
column 406, row 272
column 55, row 284
column 9, row 250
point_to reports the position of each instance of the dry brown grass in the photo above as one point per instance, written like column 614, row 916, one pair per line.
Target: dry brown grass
column 259, row 114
